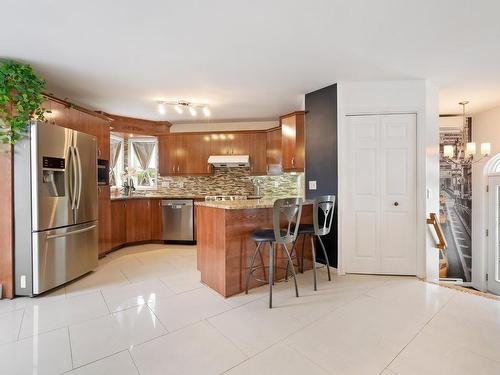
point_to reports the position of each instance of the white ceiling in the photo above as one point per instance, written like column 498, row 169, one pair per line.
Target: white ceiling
column 251, row 59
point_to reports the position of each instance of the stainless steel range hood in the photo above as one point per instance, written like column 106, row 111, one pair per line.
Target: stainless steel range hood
column 229, row 160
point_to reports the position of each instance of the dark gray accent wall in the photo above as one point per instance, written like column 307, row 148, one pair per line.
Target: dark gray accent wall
column 321, row 154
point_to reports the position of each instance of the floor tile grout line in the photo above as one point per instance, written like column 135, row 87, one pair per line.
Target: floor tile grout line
column 95, row 360
column 70, row 348
column 133, row 361
column 105, row 302
column 281, row 341
column 157, row 318
column 418, row 333
column 228, row 339
column 20, row 325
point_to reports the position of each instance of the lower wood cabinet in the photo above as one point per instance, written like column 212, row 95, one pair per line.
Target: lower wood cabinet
column 104, row 215
column 138, row 220
column 135, row 220
column 118, row 223
column 156, row 220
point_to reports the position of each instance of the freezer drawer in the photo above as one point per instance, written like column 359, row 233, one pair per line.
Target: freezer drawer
column 178, row 220
column 61, row 255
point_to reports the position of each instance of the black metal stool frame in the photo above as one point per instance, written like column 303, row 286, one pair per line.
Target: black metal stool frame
column 291, row 208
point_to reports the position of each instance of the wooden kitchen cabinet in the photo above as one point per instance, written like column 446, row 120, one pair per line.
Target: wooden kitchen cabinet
column 292, row 141
column 156, row 220
column 138, row 220
column 184, row 154
column 118, row 223
column 273, row 150
column 167, row 155
column 187, row 154
column 196, row 150
column 230, row 143
column 258, row 165
column 104, row 212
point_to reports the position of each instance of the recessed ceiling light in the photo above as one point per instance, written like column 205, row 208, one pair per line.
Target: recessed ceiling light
column 178, row 109
column 192, row 111
column 206, row 111
column 161, row 108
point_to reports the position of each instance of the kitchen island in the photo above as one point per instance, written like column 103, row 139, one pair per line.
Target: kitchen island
column 225, row 247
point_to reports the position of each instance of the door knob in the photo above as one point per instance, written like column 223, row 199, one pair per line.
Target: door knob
column 396, row 204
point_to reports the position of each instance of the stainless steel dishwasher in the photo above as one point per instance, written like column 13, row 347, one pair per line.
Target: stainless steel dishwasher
column 178, row 220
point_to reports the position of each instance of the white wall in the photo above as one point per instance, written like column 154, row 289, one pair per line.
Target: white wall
column 485, row 128
column 223, row 126
column 418, row 97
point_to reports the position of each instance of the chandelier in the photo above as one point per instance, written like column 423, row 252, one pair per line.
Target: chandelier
column 181, row 106
column 463, row 152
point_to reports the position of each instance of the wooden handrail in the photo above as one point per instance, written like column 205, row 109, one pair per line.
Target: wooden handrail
column 433, row 220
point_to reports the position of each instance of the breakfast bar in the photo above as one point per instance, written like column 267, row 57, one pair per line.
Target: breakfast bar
column 225, row 247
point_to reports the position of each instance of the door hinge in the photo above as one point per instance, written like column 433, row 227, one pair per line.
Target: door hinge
column 487, row 232
column 487, row 188
column 486, row 277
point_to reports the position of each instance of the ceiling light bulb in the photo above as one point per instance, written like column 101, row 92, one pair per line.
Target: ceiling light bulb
column 206, row 111
column 192, row 111
column 161, row 108
column 178, row 109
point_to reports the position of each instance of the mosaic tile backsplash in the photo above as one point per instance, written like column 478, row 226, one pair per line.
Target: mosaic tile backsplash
column 234, row 181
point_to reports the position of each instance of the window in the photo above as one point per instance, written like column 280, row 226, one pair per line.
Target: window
column 117, row 165
column 142, row 161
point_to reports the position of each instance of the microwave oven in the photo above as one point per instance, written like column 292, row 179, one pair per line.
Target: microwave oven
column 102, row 172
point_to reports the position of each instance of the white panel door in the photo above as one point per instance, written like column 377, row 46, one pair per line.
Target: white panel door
column 494, row 235
column 380, row 204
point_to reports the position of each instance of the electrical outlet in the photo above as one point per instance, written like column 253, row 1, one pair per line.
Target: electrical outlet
column 276, row 184
column 165, row 184
column 181, row 185
column 312, row 185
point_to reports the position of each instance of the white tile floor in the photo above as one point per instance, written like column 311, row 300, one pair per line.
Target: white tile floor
column 145, row 312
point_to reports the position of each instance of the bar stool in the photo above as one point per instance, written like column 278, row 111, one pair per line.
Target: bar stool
column 289, row 209
column 321, row 226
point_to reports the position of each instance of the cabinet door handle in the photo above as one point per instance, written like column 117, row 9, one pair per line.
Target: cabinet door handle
column 177, row 167
column 173, row 168
column 293, row 162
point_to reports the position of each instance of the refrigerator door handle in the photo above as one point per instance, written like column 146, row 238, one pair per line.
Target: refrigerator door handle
column 79, row 177
column 73, row 172
column 51, row 236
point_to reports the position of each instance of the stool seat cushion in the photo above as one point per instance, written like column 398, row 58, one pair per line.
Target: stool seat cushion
column 265, row 235
column 306, row 229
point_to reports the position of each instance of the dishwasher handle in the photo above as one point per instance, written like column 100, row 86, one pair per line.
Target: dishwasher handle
column 177, row 204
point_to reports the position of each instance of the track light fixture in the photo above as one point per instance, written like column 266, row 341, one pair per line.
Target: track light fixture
column 180, row 106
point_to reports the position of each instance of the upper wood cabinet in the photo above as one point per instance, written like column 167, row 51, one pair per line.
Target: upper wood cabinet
column 187, row 153
column 67, row 115
column 184, row 154
column 195, row 153
column 273, row 150
column 258, row 146
column 292, row 141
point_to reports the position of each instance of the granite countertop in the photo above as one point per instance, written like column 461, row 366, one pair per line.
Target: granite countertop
column 247, row 204
column 156, row 195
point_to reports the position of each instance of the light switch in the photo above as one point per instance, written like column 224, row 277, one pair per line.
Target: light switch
column 23, row 282
column 312, row 185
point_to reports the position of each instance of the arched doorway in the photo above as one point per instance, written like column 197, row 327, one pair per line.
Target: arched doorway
column 491, row 174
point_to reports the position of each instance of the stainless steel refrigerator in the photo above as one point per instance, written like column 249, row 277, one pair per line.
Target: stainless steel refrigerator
column 55, row 208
